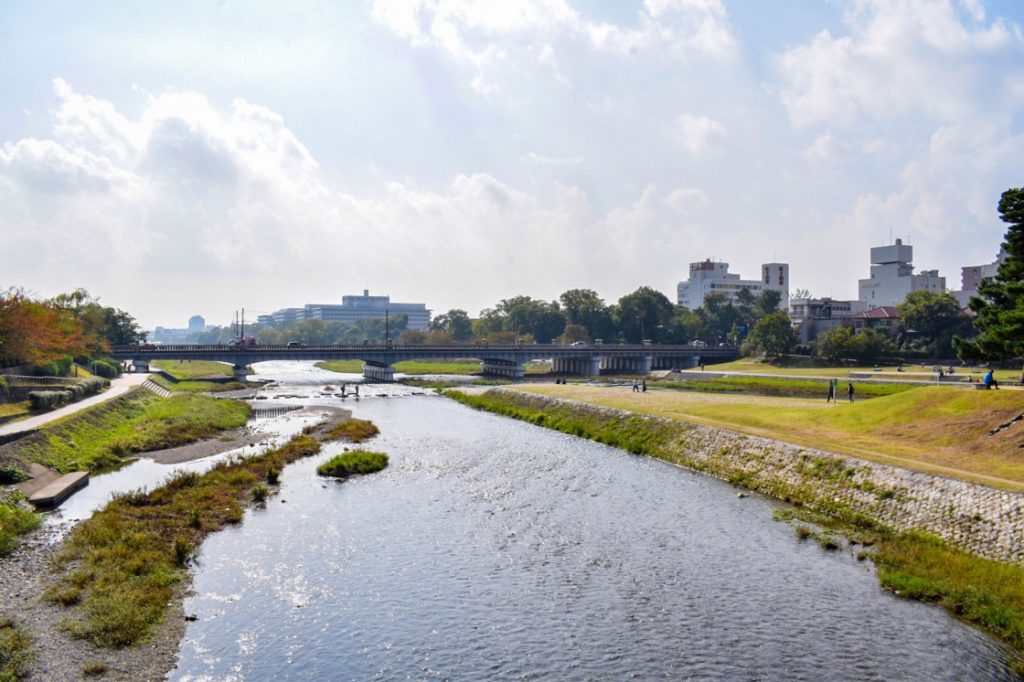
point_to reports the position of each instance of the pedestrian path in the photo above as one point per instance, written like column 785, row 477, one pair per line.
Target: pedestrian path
column 118, row 387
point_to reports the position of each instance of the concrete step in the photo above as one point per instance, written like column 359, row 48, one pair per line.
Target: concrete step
column 64, row 487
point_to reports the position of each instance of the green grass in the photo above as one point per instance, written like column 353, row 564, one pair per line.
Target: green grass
column 192, row 386
column 990, row 593
column 936, row 429
column 353, row 431
column 15, row 522
column 12, row 411
column 16, row 654
column 806, row 367
column 138, row 422
column 184, row 370
column 353, row 462
column 119, row 568
column 782, row 386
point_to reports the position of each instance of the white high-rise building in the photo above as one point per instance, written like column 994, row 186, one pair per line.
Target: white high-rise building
column 971, row 277
column 892, row 276
column 707, row 277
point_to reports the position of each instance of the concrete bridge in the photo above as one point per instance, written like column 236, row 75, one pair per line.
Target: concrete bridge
column 496, row 360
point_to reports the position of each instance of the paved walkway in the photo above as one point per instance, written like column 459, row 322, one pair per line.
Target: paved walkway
column 118, row 386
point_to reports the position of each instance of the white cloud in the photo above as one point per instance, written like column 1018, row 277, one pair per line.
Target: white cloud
column 482, row 32
column 900, row 57
column 199, row 199
column 698, row 133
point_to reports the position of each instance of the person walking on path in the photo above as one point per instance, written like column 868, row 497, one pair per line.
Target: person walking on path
column 849, row 391
column 831, row 391
column 643, row 386
column 636, row 386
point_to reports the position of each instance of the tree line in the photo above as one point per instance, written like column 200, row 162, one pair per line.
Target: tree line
column 49, row 333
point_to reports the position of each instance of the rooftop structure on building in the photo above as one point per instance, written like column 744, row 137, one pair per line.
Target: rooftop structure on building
column 812, row 316
column 971, row 277
column 352, row 309
column 196, row 326
column 196, row 323
column 892, row 276
column 708, row 276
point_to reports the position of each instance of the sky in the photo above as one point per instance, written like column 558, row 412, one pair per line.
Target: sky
column 201, row 157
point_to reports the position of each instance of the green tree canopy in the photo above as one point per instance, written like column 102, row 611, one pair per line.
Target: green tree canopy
column 773, row 335
column 930, row 321
column 1000, row 301
column 644, row 313
column 456, row 322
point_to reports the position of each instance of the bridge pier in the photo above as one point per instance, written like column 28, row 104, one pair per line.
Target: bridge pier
column 587, row 367
column 240, row 372
column 141, row 366
column 384, row 373
column 631, row 365
column 510, row 369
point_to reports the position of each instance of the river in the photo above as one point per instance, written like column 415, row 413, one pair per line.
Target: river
column 494, row 549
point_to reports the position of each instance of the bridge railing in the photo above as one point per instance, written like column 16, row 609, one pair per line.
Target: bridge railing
column 469, row 349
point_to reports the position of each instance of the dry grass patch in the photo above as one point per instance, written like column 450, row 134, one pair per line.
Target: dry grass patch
column 353, row 431
column 936, row 429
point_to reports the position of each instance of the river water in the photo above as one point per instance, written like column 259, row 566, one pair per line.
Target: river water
column 494, row 549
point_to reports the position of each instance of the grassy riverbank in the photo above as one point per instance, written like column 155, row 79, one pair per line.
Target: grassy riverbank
column 933, row 429
column 780, row 386
column 192, row 376
column 911, row 564
column 137, row 422
column 121, row 565
column 805, row 367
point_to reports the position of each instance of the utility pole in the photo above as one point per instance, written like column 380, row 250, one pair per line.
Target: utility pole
column 387, row 327
column 241, row 334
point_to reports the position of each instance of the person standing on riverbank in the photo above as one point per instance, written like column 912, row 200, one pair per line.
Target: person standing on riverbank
column 849, row 391
column 831, row 391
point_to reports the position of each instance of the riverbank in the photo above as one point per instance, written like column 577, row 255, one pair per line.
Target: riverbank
column 33, row 569
column 880, row 504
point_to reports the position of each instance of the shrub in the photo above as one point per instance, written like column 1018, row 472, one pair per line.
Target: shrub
column 15, row 521
column 273, row 476
column 45, row 400
column 260, row 493
column 354, row 462
column 15, row 650
column 56, row 368
column 107, row 370
column 182, row 552
column 10, row 476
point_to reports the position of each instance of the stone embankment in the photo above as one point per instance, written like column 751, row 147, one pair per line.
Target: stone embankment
column 982, row 520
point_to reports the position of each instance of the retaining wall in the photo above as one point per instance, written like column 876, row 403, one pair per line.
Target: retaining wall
column 985, row 521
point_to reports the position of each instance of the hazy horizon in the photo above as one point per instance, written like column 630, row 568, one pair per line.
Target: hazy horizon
column 208, row 156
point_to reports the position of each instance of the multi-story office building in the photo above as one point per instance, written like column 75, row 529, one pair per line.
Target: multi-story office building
column 812, row 316
column 707, row 277
column 892, row 276
column 351, row 310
